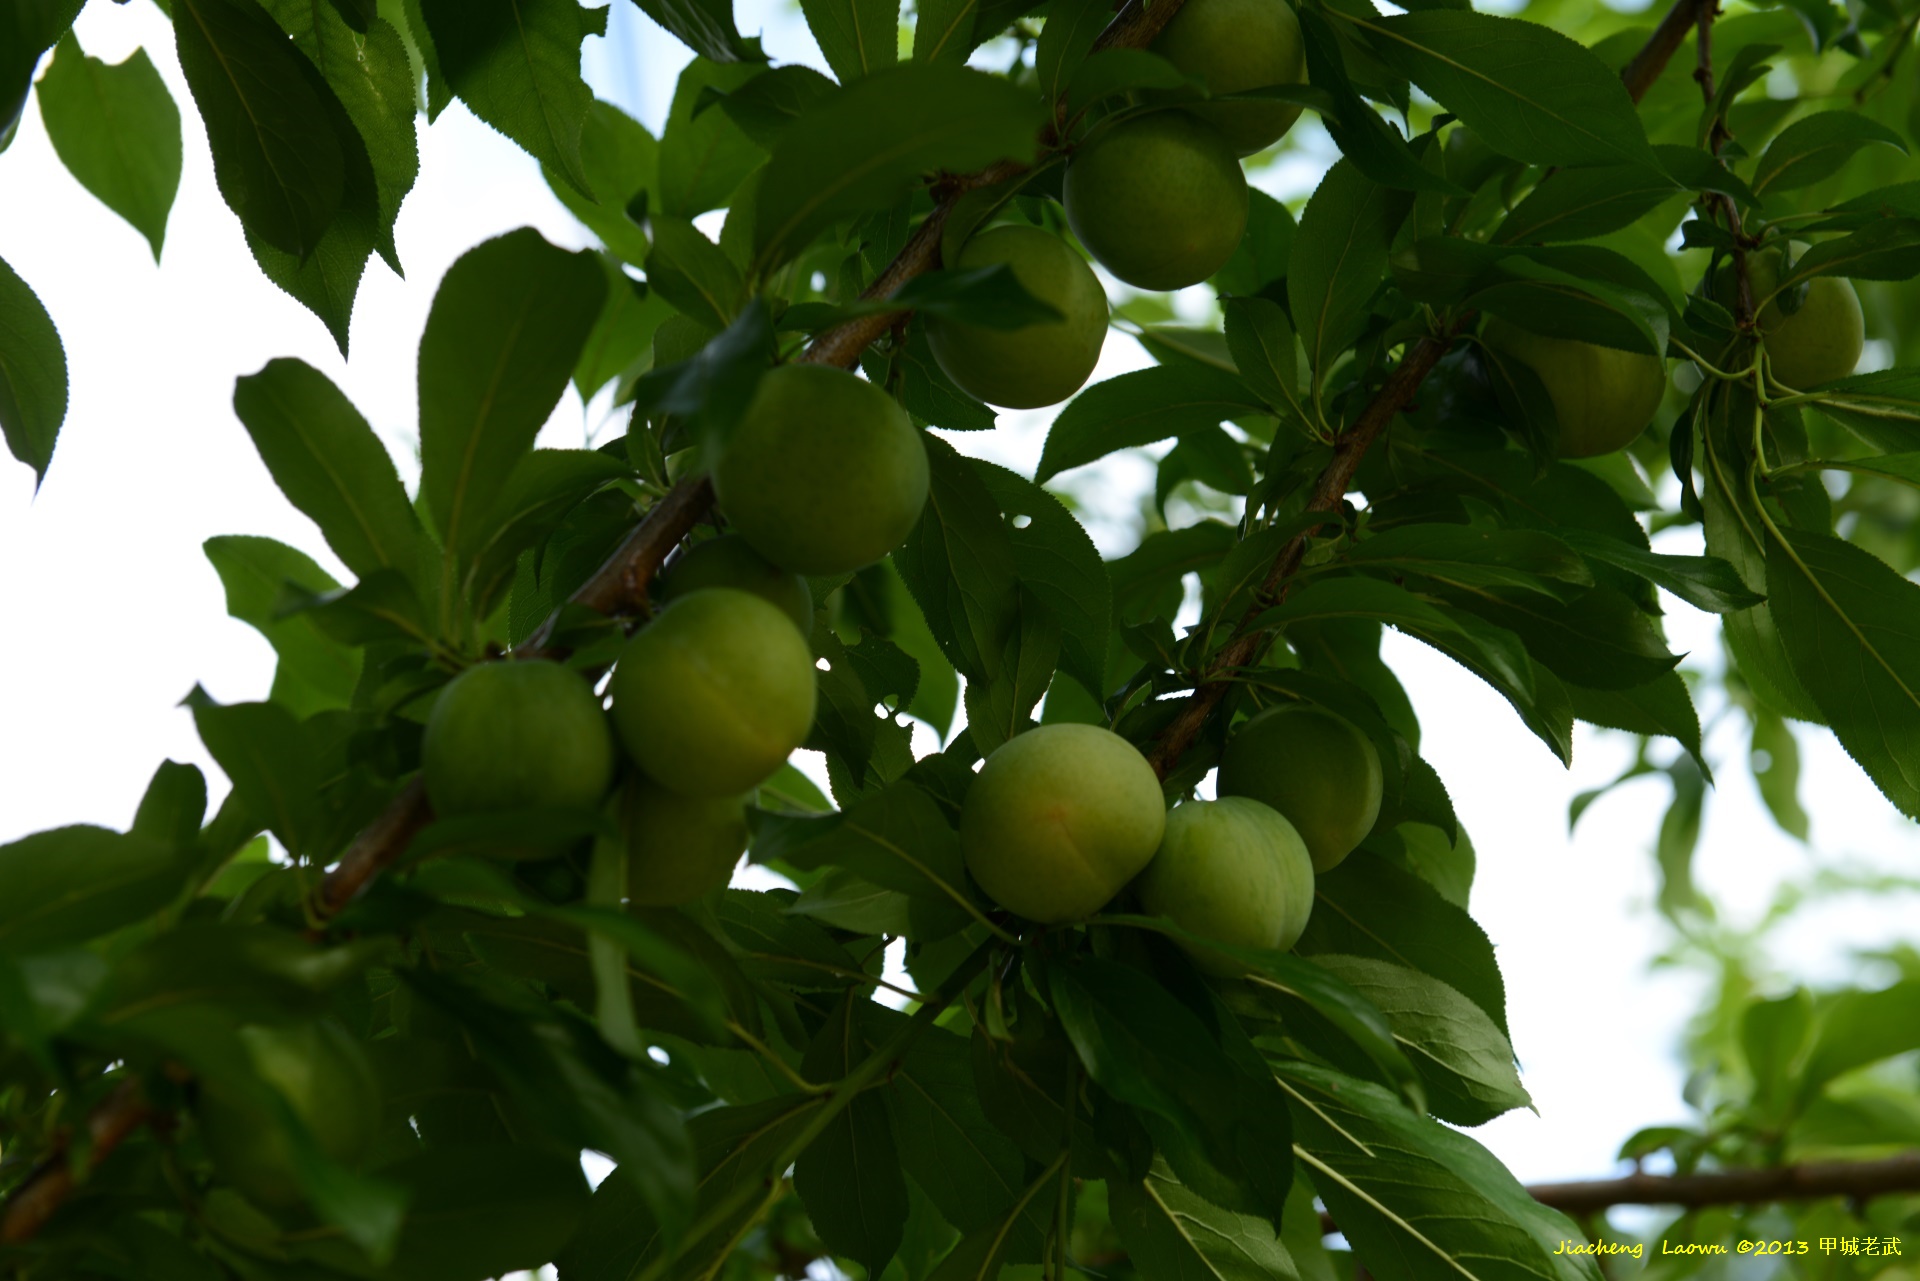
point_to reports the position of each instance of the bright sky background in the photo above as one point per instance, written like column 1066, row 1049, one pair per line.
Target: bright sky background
column 111, row 613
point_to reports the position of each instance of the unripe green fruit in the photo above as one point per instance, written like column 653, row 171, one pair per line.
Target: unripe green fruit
column 715, row 693
column 1039, row 364
column 323, row 1074
column 1060, row 818
column 516, row 735
column 1234, row 871
column 1235, row 45
column 824, row 473
column 1603, row 397
column 730, row 561
column 1319, row 771
column 1816, row 344
column 1159, row 200
column 679, row 847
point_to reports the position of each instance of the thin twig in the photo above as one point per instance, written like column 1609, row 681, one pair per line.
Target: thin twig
column 1645, row 66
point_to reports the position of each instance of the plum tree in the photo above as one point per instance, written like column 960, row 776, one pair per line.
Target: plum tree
column 321, row 1072
column 1315, row 768
column 516, row 735
column 730, row 561
column 1816, row 342
column 1236, row 45
column 679, row 847
column 1060, row 818
column 824, row 473
column 1603, row 397
column 1231, row 870
column 1034, row 365
column 715, row 693
column 1158, row 199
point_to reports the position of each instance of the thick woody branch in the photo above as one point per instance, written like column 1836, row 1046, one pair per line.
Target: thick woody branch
column 1394, row 395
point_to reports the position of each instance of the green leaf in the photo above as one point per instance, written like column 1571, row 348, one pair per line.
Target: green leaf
column 969, row 1170
column 1264, row 253
column 1853, row 1028
column 1339, row 259
column 897, row 838
column 1538, row 295
column 174, row 805
column 1852, row 631
column 1529, row 91
column 506, row 329
column 704, row 26
column 276, row 156
column 1369, row 907
column 1661, row 706
column 959, row 565
column 1059, row 563
column 260, row 576
column 369, row 73
column 1579, row 204
column 622, row 164
column 1778, row 776
column 33, row 375
column 1115, row 71
column 1261, row 340
column 704, row 155
column 1140, row 408
column 863, row 149
column 1468, row 556
column 71, row 884
column 1148, row 1048
column 1704, row 582
column 1171, row 1233
column 858, row 37
column 849, row 1177
column 1065, row 40
column 330, row 465
column 621, row 344
column 1885, row 250
column 1816, row 146
column 943, row 30
column 1882, row 408
column 485, row 1209
column 1600, row 638
column 1374, row 146
column 116, row 129
column 272, row 764
column 1466, row 1061
column 542, row 488
column 28, row 28
column 516, row 64
column 693, row 273
column 1421, row 1202
column 766, row 105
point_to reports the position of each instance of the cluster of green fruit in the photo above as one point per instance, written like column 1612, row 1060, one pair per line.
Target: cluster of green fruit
column 1603, row 398
column 1063, row 817
column 1158, row 198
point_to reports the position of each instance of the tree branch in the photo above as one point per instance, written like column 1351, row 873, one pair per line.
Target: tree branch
column 52, row 1181
column 1856, row 1181
column 1395, row 394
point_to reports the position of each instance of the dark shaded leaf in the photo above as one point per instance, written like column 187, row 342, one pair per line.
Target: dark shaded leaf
column 1140, row 408
column 858, row 37
column 1814, row 147
column 75, row 883
column 261, row 577
column 1339, row 259
column 704, row 26
column 275, row 153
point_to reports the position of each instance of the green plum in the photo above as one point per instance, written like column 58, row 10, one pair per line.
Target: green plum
column 1319, row 771
column 1159, row 199
column 824, row 473
column 516, row 735
column 323, row 1075
column 1234, row 871
column 730, row 561
column 1815, row 344
column 1603, row 397
column 679, row 847
column 1236, row 45
column 1060, row 818
column 1034, row 365
column 712, row 695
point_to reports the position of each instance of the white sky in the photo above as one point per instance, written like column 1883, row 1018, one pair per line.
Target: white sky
column 111, row 613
